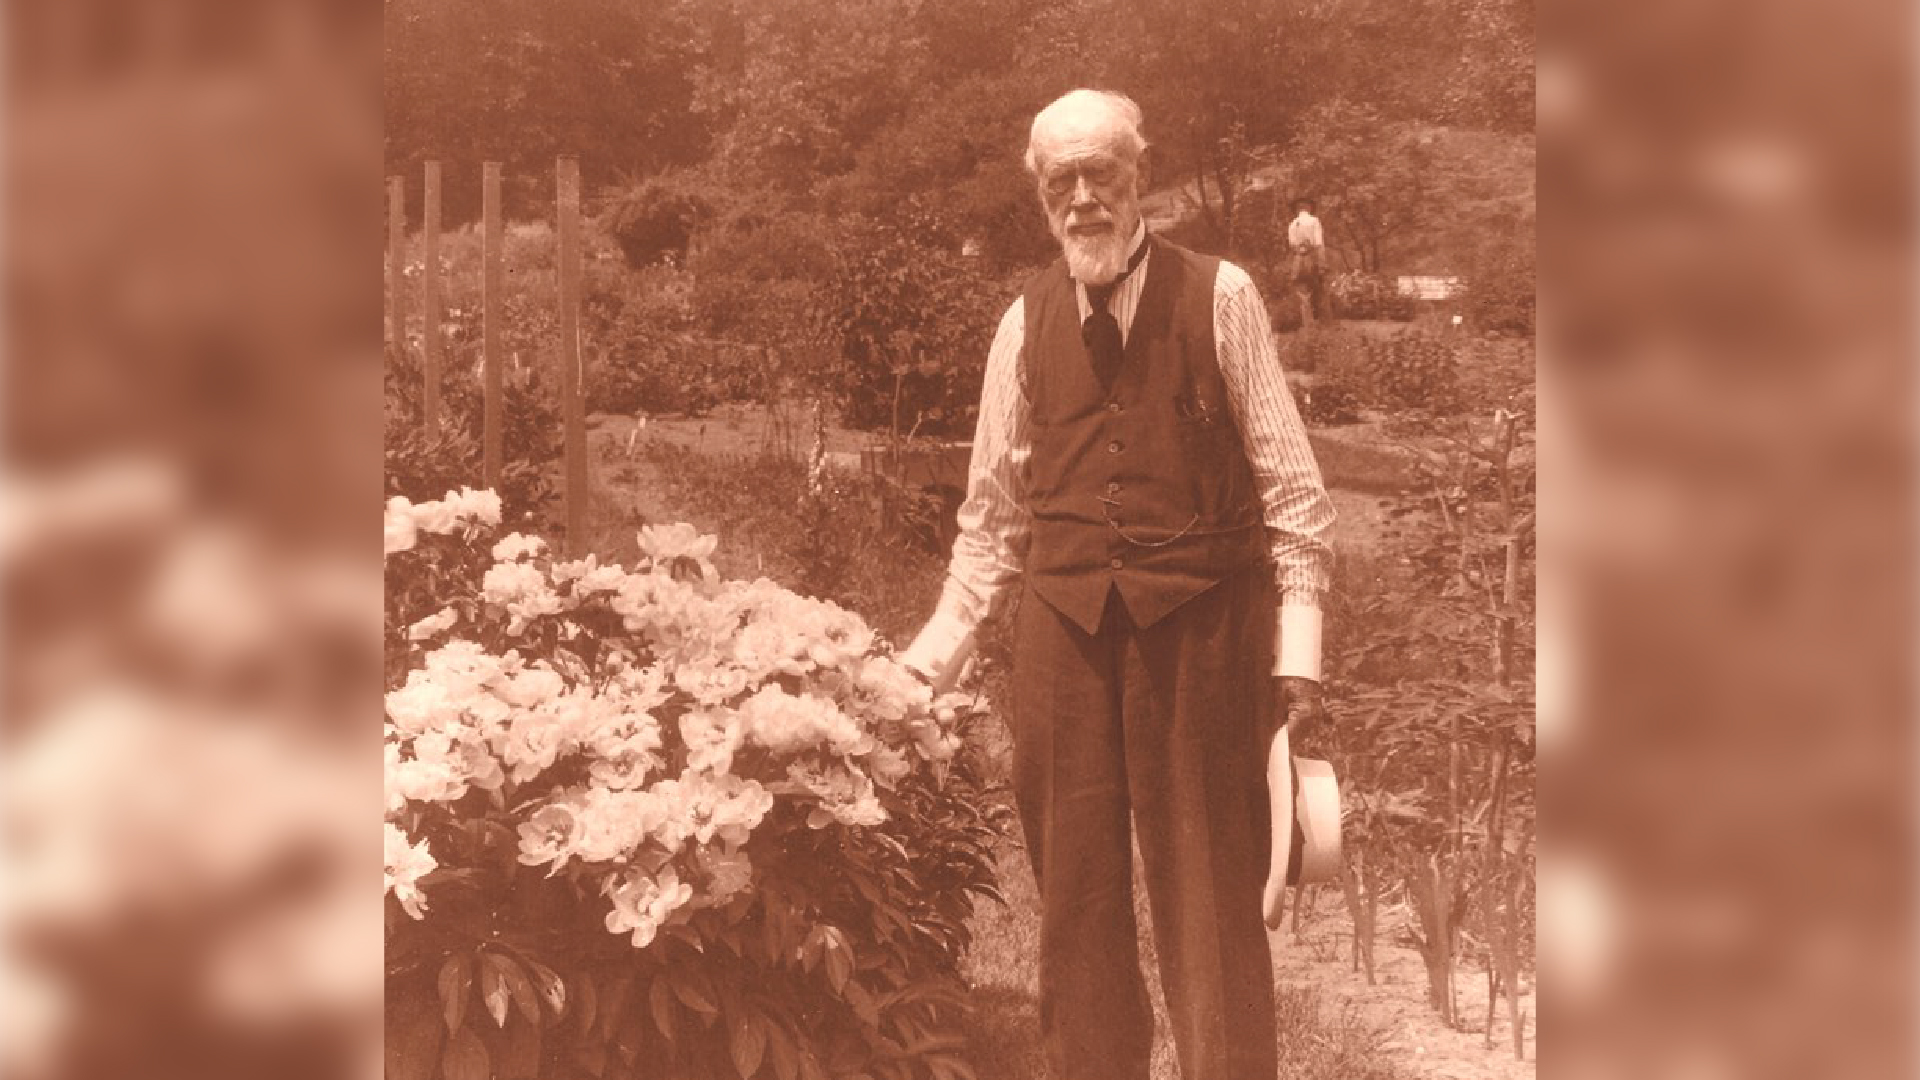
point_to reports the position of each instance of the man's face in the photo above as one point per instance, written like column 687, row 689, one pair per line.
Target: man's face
column 1090, row 186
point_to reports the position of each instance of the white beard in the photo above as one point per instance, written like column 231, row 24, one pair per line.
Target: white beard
column 1095, row 260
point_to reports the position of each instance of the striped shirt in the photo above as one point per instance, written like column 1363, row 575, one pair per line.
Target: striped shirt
column 995, row 522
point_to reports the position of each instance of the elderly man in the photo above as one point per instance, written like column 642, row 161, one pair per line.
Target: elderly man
column 1141, row 467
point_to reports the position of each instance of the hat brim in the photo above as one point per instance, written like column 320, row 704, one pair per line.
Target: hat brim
column 1303, row 797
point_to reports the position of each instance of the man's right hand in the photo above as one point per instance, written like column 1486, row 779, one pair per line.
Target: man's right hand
column 939, row 672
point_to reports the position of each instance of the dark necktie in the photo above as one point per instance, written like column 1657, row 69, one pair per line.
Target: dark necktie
column 1101, row 331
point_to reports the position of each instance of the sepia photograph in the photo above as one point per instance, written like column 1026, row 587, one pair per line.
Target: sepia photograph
column 968, row 540
column 987, row 540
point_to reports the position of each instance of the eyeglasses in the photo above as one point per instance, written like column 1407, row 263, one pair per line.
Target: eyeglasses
column 1100, row 172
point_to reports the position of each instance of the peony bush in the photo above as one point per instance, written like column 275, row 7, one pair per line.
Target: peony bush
column 651, row 822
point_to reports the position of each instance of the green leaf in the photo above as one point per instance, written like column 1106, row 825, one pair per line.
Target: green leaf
column 786, row 1059
column 552, row 989
column 661, row 999
column 586, row 1003
column 839, row 957
column 465, row 1058
column 456, row 986
column 694, row 996
column 614, row 1003
column 493, row 990
column 747, row 1041
column 520, row 991
column 633, row 1037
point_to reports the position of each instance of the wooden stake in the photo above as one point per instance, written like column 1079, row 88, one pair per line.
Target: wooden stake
column 397, row 267
column 572, row 375
column 492, row 301
column 430, row 299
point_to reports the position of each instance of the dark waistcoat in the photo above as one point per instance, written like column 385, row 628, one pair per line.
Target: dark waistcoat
column 1143, row 487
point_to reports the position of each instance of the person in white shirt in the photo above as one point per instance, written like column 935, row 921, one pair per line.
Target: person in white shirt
column 1308, row 245
column 1140, row 471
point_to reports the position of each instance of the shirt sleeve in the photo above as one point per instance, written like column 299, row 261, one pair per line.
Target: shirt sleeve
column 1293, row 499
column 995, row 523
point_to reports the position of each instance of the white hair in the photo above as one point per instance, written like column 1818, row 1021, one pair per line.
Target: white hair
column 1078, row 103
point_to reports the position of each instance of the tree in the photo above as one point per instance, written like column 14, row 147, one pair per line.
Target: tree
column 797, row 89
column 954, row 165
column 520, row 82
column 1369, row 177
column 1217, row 81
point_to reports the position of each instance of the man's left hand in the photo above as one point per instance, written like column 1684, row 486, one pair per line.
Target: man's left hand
column 1300, row 707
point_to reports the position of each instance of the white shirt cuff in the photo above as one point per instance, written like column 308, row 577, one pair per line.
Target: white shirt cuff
column 941, row 648
column 1298, row 653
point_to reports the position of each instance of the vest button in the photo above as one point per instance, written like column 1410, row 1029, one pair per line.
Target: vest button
column 1116, row 562
column 1113, row 447
column 1113, row 406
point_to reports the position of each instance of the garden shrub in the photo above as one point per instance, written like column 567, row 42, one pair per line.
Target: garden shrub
column 1358, row 294
column 422, row 464
column 1499, row 294
column 912, row 322
column 1283, row 309
column 1416, row 372
column 657, row 218
column 1411, row 372
column 656, row 823
column 1328, row 404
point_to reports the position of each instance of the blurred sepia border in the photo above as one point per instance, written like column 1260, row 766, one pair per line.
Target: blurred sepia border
column 192, row 755
column 191, row 759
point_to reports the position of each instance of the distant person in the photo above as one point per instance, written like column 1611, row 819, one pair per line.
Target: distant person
column 1141, row 479
column 1309, row 247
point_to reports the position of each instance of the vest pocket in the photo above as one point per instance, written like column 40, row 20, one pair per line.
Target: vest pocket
column 1215, row 464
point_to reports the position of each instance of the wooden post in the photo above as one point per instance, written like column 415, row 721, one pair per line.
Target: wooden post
column 572, row 375
column 430, row 306
column 397, row 266
column 431, row 298
column 493, row 262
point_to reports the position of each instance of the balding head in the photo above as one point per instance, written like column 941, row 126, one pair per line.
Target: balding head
column 1084, row 120
column 1084, row 152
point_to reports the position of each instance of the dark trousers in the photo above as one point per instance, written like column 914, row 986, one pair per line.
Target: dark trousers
column 1161, row 727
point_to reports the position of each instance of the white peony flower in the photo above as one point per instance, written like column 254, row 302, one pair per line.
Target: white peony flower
column 407, row 863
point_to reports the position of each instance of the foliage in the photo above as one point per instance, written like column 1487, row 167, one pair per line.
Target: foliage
column 423, row 464
column 1361, row 294
column 913, row 322
column 1367, row 174
column 1432, row 683
column 657, row 218
column 799, row 88
column 1499, row 297
column 958, row 159
column 657, row 823
column 468, row 81
column 1329, row 404
column 1415, row 375
column 1219, row 82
